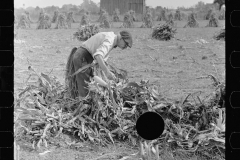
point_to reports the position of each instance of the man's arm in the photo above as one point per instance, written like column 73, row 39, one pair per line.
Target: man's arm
column 101, row 63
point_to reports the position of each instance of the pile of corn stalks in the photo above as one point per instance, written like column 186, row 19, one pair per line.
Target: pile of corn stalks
column 23, row 22
column 220, row 35
column 213, row 21
column 221, row 15
column 116, row 15
column 192, row 22
column 177, row 15
column 170, row 16
column 28, row 16
column 84, row 19
column 43, row 111
column 70, row 19
column 61, row 22
column 44, row 21
column 127, row 21
column 162, row 16
column 104, row 21
column 86, row 31
column 210, row 11
column 147, row 20
column 132, row 13
column 102, row 12
column 163, row 32
column 55, row 15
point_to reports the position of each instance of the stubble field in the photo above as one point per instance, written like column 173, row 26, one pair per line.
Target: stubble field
column 177, row 66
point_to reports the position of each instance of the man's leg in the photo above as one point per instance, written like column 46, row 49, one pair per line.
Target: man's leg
column 79, row 60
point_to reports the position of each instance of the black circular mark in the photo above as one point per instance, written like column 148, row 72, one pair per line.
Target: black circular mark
column 150, row 125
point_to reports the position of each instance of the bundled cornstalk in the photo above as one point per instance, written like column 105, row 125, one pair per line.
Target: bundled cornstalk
column 221, row 15
column 41, row 14
column 102, row 12
column 104, row 21
column 170, row 20
column 127, row 21
column 23, row 22
column 162, row 16
column 147, row 20
column 70, row 19
column 170, row 16
column 84, row 19
column 43, row 113
column 213, row 21
column 28, row 16
column 116, row 15
column 133, row 17
column 163, row 32
column 86, row 31
column 44, row 21
column 220, row 35
column 192, row 22
column 55, row 16
column 177, row 15
column 210, row 11
column 61, row 22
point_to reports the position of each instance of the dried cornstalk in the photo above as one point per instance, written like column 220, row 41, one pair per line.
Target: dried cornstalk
column 213, row 21
column 104, row 21
column 192, row 22
column 127, row 21
column 147, row 20
column 61, row 22
column 70, row 19
column 23, row 22
column 116, row 15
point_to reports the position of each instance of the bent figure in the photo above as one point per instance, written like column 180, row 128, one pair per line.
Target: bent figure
column 95, row 48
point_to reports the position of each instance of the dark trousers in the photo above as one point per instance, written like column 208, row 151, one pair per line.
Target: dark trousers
column 81, row 58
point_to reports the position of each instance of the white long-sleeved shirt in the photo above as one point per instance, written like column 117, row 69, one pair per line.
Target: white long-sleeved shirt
column 101, row 44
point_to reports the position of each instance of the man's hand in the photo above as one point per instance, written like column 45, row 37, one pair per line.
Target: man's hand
column 110, row 75
column 101, row 63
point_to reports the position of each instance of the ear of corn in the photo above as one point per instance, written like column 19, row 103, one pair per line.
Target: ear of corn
column 100, row 81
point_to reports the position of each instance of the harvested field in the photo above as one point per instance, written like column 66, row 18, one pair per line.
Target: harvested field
column 178, row 66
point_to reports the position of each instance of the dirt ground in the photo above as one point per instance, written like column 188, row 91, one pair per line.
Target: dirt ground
column 176, row 66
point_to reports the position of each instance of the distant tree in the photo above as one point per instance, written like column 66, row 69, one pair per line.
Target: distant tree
column 66, row 7
column 74, row 9
column 220, row 3
column 90, row 6
column 37, row 9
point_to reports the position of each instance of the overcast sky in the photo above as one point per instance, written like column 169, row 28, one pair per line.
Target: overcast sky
column 152, row 3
